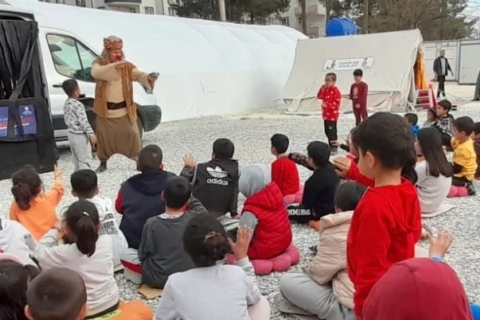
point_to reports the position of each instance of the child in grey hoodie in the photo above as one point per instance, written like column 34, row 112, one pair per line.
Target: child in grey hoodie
column 15, row 239
column 85, row 186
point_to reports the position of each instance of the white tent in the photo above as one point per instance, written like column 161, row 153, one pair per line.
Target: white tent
column 387, row 61
column 206, row 67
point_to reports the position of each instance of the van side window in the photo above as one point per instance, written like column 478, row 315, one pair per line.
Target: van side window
column 71, row 58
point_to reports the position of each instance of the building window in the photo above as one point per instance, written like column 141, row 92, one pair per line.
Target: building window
column 149, row 10
column 132, row 10
column 71, row 58
column 172, row 12
column 285, row 21
column 299, row 20
column 80, row 3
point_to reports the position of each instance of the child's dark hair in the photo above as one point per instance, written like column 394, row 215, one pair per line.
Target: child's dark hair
column 205, row 240
column 56, row 294
column 14, row 281
column 412, row 118
column 331, row 75
column 280, row 142
column 177, row 192
column 430, row 141
column 26, row 186
column 431, row 111
column 69, row 86
column 445, row 104
column 348, row 195
column 394, row 147
column 319, row 152
column 84, row 183
column 476, row 128
column 464, row 124
column 223, row 149
column 150, row 158
column 358, row 73
column 83, row 222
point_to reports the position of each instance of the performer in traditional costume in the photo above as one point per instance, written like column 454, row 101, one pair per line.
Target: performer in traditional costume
column 116, row 113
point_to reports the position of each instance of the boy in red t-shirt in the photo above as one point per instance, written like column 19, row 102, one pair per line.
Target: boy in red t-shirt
column 386, row 224
column 331, row 98
column 358, row 95
column 285, row 171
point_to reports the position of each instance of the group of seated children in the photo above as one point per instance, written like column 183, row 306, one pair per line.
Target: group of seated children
column 457, row 135
column 171, row 231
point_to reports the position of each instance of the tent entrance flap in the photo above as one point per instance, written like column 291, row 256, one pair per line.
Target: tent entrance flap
column 390, row 64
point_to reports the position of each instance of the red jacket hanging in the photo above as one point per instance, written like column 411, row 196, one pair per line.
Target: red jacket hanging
column 331, row 98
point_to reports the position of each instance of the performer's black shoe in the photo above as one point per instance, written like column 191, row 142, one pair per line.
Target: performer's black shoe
column 102, row 167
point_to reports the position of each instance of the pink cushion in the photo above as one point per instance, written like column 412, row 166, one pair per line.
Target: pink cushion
column 457, row 192
column 280, row 263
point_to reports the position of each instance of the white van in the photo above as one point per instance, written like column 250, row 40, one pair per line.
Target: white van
column 65, row 55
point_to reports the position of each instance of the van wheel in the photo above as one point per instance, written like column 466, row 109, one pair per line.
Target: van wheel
column 140, row 128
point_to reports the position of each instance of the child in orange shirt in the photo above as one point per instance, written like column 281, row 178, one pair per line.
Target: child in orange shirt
column 32, row 207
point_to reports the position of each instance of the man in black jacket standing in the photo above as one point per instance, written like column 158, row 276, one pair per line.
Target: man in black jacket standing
column 441, row 67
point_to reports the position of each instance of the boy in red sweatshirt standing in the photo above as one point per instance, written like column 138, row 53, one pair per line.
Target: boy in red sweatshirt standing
column 358, row 95
column 331, row 98
column 386, row 224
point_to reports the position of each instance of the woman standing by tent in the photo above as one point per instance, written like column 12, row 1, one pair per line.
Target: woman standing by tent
column 116, row 113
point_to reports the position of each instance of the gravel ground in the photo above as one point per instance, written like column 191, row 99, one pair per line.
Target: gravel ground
column 251, row 134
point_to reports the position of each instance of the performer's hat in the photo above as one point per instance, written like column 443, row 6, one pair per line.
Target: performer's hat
column 113, row 43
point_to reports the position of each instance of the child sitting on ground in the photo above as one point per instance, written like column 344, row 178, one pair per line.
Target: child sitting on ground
column 412, row 120
column 284, row 171
column 431, row 118
column 387, row 221
column 14, row 281
column 140, row 198
column 60, row 294
column 215, row 183
column 464, row 156
column 326, row 291
column 476, row 145
column 85, row 186
column 32, row 207
column 15, row 239
column 319, row 189
column 80, row 132
column 444, row 122
column 331, row 99
column 223, row 291
column 264, row 212
column 90, row 256
column 434, row 172
column 161, row 251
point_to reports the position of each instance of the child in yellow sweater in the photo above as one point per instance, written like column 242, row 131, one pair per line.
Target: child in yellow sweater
column 464, row 156
column 32, row 207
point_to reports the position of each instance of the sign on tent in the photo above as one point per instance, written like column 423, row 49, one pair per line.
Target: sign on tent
column 348, row 64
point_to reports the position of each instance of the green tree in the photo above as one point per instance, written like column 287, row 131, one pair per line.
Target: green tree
column 257, row 10
column 436, row 19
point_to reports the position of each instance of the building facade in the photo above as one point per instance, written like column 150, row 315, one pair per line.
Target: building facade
column 315, row 12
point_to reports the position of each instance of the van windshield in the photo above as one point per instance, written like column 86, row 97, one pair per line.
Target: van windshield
column 70, row 57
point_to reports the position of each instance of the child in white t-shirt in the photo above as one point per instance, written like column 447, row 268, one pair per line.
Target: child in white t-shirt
column 85, row 186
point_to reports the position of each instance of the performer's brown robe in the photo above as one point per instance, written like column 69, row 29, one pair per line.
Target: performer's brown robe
column 116, row 130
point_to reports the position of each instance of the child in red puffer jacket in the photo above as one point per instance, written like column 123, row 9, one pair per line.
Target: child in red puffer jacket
column 331, row 98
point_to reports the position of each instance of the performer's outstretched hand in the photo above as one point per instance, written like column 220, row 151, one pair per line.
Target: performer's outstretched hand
column 189, row 161
column 153, row 76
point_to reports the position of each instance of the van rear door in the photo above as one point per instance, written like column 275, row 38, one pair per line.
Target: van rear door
column 65, row 56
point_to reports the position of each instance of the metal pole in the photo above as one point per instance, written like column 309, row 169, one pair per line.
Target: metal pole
column 365, row 17
column 221, row 9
